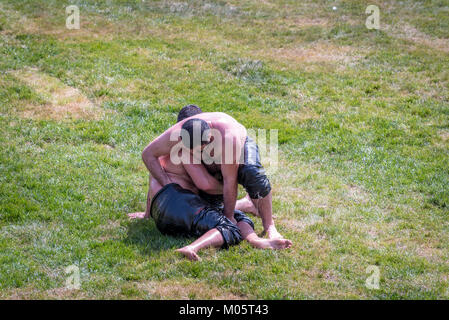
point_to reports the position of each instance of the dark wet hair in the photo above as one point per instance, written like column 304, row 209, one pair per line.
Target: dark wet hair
column 191, row 141
column 188, row 111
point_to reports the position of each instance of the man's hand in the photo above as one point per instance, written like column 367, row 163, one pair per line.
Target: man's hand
column 150, row 156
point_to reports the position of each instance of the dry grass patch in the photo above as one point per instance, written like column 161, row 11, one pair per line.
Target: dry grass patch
column 430, row 253
column 408, row 32
column 444, row 135
column 442, row 139
column 301, row 22
column 63, row 102
column 175, row 289
column 29, row 293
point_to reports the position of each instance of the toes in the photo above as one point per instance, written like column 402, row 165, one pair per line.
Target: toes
column 193, row 256
column 284, row 243
column 189, row 254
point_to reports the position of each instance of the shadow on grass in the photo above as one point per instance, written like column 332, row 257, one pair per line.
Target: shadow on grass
column 145, row 235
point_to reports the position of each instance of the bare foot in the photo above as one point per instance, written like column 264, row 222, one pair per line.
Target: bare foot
column 137, row 215
column 189, row 253
column 274, row 244
column 246, row 205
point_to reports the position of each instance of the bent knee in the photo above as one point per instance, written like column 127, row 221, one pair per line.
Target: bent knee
column 230, row 232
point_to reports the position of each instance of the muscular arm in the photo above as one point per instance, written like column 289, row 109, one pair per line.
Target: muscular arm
column 150, row 156
column 203, row 179
column 229, row 170
column 230, row 186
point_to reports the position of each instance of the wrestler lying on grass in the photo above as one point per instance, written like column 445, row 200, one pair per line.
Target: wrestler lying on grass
column 178, row 210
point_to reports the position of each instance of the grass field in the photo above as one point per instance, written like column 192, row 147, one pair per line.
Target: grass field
column 363, row 120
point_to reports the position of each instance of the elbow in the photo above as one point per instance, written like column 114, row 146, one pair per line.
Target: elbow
column 146, row 156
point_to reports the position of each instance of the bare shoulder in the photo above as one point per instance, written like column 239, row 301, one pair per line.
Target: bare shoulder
column 220, row 119
column 214, row 116
column 226, row 124
column 166, row 140
column 171, row 134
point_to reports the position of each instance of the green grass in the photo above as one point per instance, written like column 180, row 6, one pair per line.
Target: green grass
column 363, row 120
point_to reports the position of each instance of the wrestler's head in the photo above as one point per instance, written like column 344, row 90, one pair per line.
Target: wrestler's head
column 196, row 134
column 188, row 111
